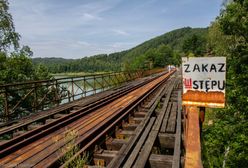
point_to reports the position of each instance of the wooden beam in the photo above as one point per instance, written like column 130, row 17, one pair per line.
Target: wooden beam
column 105, row 156
column 193, row 144
column 166, row 140
column 115, row 144
column 138, row 146
column 172, row 120
column 177, row 149
column 166, row 117
column 160, row 160
column 147, row 147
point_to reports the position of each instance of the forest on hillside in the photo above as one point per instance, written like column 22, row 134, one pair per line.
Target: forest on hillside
column 157, row 52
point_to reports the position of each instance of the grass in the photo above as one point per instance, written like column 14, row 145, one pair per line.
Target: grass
column 71, row 149
column 159, row 105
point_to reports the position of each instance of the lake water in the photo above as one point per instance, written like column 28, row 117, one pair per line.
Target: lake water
column 81, row 87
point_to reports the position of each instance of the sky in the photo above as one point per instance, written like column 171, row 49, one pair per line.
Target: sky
column 79, row 28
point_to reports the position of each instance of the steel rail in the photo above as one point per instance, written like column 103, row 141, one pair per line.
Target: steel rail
column 56, row 110
column 35, row 134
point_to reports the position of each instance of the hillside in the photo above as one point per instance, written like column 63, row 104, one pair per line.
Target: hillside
column 51, row 60
column 115, row 61
column 173, row 39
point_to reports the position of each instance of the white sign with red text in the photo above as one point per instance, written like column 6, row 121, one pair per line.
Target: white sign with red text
column 204, row 81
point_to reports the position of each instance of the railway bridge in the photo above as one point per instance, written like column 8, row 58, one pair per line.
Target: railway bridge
column 126, row 119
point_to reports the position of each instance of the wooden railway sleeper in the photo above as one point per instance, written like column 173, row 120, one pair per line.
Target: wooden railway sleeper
column 124, row 134
column 96, row 137
column 118, row 161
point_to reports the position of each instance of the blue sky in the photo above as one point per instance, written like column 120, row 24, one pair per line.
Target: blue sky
column 78, row 28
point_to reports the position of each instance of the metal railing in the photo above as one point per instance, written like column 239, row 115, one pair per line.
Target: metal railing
column 21, row 99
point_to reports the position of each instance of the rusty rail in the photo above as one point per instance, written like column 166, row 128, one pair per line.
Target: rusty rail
column 62, row 121
column 21, row 99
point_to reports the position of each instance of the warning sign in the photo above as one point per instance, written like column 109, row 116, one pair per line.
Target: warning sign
column 204, row 81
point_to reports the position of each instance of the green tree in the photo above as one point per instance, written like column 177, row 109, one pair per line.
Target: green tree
column 226, row 141
column 195, row 44
column 41, row 72
column 164, row 56
column 218, row 43
column 176, row 59
column 8, row 36
column 234, row 22
column 16, row 65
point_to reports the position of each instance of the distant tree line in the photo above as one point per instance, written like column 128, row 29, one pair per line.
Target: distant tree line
column 92, row 64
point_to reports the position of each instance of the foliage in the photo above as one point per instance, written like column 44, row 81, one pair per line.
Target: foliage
column 195, row 44
column 18, row 67
column 173, row 39
column 153, row 58
column 8, row 36
column 225, row 143
column 96, row 63
column 217, row 42
column 16, row 64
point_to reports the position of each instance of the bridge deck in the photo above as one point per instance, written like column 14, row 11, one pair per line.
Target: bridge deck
column 136, row 126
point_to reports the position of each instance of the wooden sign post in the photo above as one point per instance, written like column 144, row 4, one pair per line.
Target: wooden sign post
column 203, row 86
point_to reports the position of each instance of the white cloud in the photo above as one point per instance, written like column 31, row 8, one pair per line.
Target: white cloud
column 122, row 45
column 84, row 43
column 89, row 17
column 120, row 32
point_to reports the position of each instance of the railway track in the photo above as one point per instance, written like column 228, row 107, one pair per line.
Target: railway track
column 154, row 142
column 41, row 147
column 67, row 106
column 157, row 140
column 38, row 120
